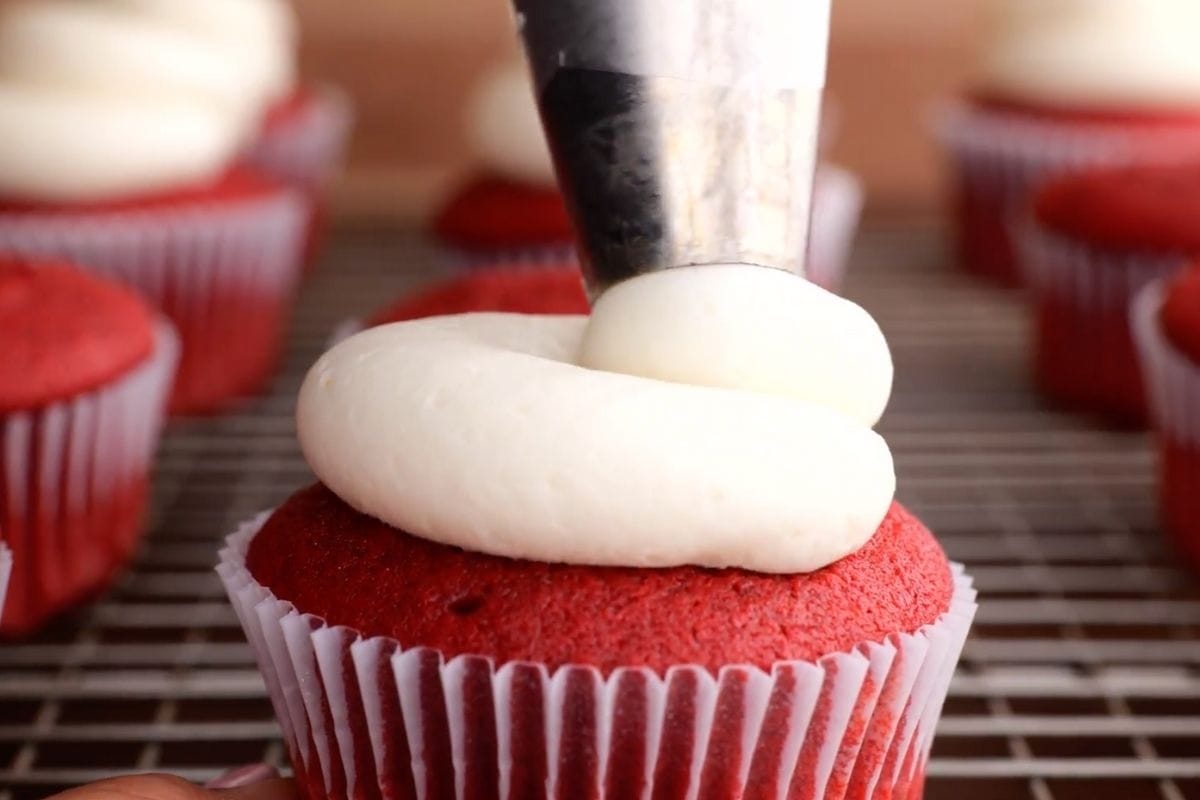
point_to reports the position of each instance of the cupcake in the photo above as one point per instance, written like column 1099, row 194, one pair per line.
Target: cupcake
column 1166, row 323
column 5, row 571
column 509, row 209
column 85, row 372
column 121, row 133
column 1093, row 240
column 651, row 553
column 1061, row 86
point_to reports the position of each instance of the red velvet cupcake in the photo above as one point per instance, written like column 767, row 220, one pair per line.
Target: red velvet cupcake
column 471, row 670
column 85, row 372
column 1095, row 240
column 1166, row 323
column 1061, row 89
column 529, row 573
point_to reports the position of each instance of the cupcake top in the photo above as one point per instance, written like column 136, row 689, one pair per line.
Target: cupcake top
column 715, row 416
column 350, row 569
column 114, row 98
column 505, row 129
column 517, row 290
column 1180, row 316
column 65, row 332
column 1093, row 54
column 1133, row 209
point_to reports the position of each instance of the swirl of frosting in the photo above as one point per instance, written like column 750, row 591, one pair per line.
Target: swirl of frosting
column 505, row 129
column 744, row 442
column 1094, row 53
column 98, row 102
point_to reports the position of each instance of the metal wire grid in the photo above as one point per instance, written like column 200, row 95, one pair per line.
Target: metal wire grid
column 1080, row 682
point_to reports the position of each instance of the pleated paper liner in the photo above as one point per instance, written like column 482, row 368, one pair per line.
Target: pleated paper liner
column 1083, row 351
column 74, row 481
column 5, row 571
column 224, row 273
column 308, row 152
column 368, row 718
column 999, row 159
column 1173, row 385
column 838, row 201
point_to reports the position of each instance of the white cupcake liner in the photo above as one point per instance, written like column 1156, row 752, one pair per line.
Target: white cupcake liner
column 308, row 151
column 351, row 708
column 5, row 571
column 73, row 485
column 838, row 201
column 1006, row 156
column 218, row 270
column 1087, row 277
column 1172, row 379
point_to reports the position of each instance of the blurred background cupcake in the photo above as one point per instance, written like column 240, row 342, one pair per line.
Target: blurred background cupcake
column 123, row 130
column 1166, row 320
column 85, row 372
column 1092, row 240
column 1062, row 85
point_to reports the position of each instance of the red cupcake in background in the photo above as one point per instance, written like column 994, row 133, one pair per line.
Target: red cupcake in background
column 1062, row 87
column 527, row 574
column 85, row 372
column 1166, row 323
column 121, row 129
column 1094, row 240
column 5, row 572
column 509, row 209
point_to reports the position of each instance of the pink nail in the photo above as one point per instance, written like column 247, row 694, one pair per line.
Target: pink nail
column 243, row 776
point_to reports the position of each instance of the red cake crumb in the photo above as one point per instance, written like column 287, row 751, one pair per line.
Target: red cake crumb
column 64, row 331
column 238, row 184
column 1180, row 316
column 349, row 569
column 1128, row 209
column 514, row 290
column 495, row 213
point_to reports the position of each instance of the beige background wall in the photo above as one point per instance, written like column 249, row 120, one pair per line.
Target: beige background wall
column 410, row 63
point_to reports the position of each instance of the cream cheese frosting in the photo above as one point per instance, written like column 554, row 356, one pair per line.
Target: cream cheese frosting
column 102, row 99
column 492, row 433
column 1094, row 53
column 505, row 129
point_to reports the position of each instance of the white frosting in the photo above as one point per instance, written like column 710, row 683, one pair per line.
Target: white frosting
column 482, row 431
column 1084, row 53
column 505, row 129
column 98, row 102
column 258, row 37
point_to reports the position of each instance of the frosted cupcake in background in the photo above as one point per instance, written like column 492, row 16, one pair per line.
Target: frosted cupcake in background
column 509, row 208
column 5, row 571
column 85, row 372
column 121, row 135
column 1063, row 85
column 546, row 559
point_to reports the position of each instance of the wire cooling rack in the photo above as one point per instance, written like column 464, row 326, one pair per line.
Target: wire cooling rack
column 1081, row 681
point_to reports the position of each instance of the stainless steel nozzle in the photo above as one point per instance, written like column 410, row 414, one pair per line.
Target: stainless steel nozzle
column 683, row 131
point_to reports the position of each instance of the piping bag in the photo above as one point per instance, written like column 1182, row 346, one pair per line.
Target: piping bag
column 683, row 132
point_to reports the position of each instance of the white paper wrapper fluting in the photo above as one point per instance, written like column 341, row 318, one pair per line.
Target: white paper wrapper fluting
column 1084, row 276
column 837, row 208
column 1172, row 379
column 73, row 485
column 367, row 718
column 309, row 150
column 1001, row 158
column 224, row 274
column 1083, row 351
column 5, row 571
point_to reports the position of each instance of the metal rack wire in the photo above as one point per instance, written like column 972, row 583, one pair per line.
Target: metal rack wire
column 1081, row 681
